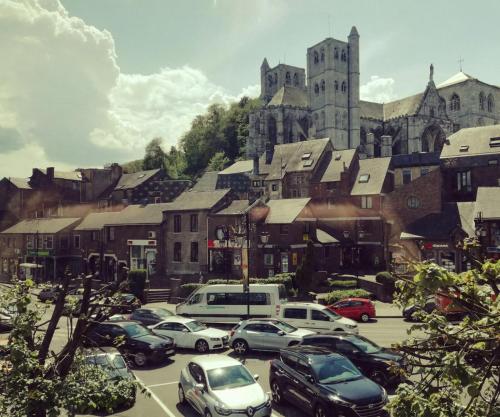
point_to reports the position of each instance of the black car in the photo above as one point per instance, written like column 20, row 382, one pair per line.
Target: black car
column 151, row 315
column 134, row 341
column 324, row 384
column 428, row 307
column 373, row 361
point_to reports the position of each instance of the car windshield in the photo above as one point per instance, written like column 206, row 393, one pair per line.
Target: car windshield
column 107, row 361
column 331, row 314
column 163, row 312
column 195, row 326
column 284, row 326
column 333, row 371
column 364, row 344
column 134, row 330
column 229, row 377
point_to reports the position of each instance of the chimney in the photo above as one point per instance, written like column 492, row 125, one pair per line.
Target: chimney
column 370, row 145
column 386, row 145
column 256, row 165
column 269, row 153
column 50, row 173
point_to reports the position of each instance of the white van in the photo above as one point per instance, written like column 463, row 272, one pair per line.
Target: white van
column 316, row 317
column 222, row 303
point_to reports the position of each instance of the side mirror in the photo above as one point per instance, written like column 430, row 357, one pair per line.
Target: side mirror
column 185, row 331
column 256, row 377
column 281, row 333
column 199, row 387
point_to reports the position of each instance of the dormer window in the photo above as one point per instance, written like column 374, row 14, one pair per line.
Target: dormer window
column 464, row 148
column 305, row 156
column 364, row 178
column 308, row 163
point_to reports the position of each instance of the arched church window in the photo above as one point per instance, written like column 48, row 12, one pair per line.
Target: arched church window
column 491, row 103
column 323, row 86
column 455, row 102
column 431, row 111
column 482, row 101
column 336, row 53
column 288, row 78
column 316, row 88
column 344, row 87
column 295, row 80
column 322, row 55
column 270, row 80
column 316, row 57
column 343, row 55
column 336, row 85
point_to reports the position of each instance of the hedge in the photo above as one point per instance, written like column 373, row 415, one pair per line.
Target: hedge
column 334, row 296
column 352, row 283
column 385, row 278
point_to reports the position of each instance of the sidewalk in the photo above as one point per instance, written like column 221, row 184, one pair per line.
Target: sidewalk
column 387, row 310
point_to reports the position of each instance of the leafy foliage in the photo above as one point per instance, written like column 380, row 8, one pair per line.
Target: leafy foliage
column 334, row 296
column 385, row 277
column 218, row 162
column 155, row 156
column 132, row 166
column 350, row 283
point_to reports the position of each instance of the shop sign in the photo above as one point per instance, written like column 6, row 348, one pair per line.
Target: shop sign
column 40, row 253
column 141, row 242
column 430, row 246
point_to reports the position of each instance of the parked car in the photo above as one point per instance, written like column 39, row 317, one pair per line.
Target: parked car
column 316, row 317
column 265, row 334
column 191, row 334
column 146, row 316
column 360, row 309
column 136, row 342
column 218, row 385
column 428, row 307
column 323, row 383
column 372, row 360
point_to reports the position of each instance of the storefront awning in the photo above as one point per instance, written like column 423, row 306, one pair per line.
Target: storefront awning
column 324, row 237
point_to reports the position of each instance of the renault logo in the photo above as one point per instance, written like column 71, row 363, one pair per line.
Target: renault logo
column 250, row 411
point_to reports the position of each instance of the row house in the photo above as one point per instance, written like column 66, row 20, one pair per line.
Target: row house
column 46, row 242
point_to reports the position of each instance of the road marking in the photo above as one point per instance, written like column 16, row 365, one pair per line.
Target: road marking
column 165, row 383
column 168, row 412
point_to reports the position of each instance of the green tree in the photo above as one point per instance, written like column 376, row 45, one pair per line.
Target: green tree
column 218, row 162
column 155, row 156
column 304, row 276
column 175, row 164
column 132, row 166
column 456, row 364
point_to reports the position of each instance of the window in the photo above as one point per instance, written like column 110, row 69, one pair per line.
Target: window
column 464, row 181
column 406, row 176
column 464, row 148
column 157, row 200
column 64, row 242
column 363, row 178
column 268, row 259
column 322, row 55
column 323, row 85
column 94, row 235
column 274, row 187
column 283, row 229
column 295, row 313
column 177, row 252
column 482, row 101
column 256, row 183
column 316, row 88
column 413, row 202
column 295, row 80
column 366, row 202
column 343, row 55
column 194, row 251
column 29, row 242
column 302, row 367
column 344, row 87
column 493, row 162
column 316, row 57
column 491, row 103
column 319, row 315
column 177, row 223
column 269, row 328
column 336, row 85
column 193, row 220
column 308, row 163
column 306, row 155
column 111, row 234
column 288, row 78
column 48, row 242
column 76, row 241
column 455, row 102
column 494, row 142
column 424, row 171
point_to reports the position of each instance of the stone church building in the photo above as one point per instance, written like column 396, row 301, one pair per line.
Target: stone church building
column 324, row 101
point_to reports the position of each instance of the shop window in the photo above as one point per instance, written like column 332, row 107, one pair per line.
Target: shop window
column 194, row 222
column 177, row 223
column 194, row 251
column 177, row 252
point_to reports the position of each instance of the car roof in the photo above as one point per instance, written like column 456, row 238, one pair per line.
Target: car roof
column 208, row 362
column 312, row 351
column 298, row 304
column 330, row 334
column 121, row 323
column 177, row 319
column 153, row 309
column 364, row 300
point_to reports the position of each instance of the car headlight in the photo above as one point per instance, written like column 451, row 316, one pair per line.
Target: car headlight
column 337, row 400
column 215, row 339
column 222, row 410
column 351, row 326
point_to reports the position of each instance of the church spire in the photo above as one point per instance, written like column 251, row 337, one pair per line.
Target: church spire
column 431, row 73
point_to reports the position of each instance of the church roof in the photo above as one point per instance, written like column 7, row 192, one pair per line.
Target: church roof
column 458, row 78
column 371, row 110
column 289, row 96
column 405, row 107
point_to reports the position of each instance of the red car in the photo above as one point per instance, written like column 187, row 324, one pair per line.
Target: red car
column 360, row 309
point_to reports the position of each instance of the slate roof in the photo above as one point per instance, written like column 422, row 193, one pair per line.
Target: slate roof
column 236, row 208
column 21, row 183
column 96, row 221
column 239, row 167
column 66, row 175
column 207, row 182
column 289, row 96
column 197, row 200
column 415, row 159
column 288, row 157
column 285, row 211
column 377, row 169
column 405, row 107
column 488, row 203
column 476, row 138
column 130, row 181
column 41, row 226
column 371, row 110
column 335, row 163
column 458, row 78
column 137, row 214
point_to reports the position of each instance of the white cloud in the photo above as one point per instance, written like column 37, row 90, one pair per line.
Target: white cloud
column 65, row 101
column 378, row 89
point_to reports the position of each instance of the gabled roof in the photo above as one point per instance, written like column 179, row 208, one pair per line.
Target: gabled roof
column 239, row 167
column 137, row 214
column 66, row 175
column 488, row 203
column 21, row 183
column 472, row 141
column 129, row 181
column 236, row 208
column 289, row 96
column 197, row 200
column 336, row 163
column 96, row 221
column 285, row 211
column 376, row 169
column 41, row 226
column 458, row 78
column 289, row 157
column 207, row 182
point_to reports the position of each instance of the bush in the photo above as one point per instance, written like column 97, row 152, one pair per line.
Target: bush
column 385, row 278
column 187, row 289
column 137, row 282
column 285, row 279
column 352, row 283
column 338, row 295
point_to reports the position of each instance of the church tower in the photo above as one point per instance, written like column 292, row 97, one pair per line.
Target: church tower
column 354, row 108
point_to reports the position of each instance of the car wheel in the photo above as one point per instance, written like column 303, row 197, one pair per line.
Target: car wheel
column 240, row 347
column 379, row 377
column 208, row 413
column 365, row 318
column 182, row 397
column 201, row 346
column 276, row 393
column 319, row 411
column 140, row 359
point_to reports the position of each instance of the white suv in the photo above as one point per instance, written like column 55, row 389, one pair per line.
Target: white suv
column 316, row 317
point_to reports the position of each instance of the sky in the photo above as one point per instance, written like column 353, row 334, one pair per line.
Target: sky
column 84, row 83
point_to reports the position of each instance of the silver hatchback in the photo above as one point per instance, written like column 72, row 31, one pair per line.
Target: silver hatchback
column 265, row 334
column 218, row 385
